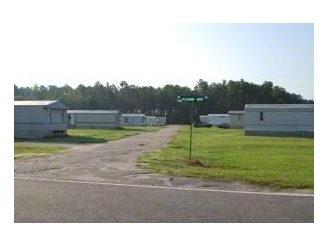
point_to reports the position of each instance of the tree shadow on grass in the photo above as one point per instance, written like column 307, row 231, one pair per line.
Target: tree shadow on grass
column 66, row 139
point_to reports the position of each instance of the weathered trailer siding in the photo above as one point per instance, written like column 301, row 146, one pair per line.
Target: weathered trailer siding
column 94, row 118
column 218, row 119
column 133, row 120
column 155, row 120
column 236, row 119
column 203, row 118
column 32, row 130
column 39, row 119
column 30, row 114
column 161, row 121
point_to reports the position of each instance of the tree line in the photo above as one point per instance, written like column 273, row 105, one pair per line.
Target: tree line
column 222, row 97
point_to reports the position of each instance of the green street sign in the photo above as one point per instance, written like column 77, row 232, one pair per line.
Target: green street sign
column 192, row 98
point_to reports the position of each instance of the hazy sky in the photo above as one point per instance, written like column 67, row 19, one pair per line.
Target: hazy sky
column 53, row 45
column 72, row 42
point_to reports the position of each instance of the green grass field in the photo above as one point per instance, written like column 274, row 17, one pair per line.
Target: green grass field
column 226, row 154
column 23, row 150
column 97, row 135
column 103, row 135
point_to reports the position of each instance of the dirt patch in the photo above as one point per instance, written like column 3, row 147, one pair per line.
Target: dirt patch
column 190, row 162
column 107, row 162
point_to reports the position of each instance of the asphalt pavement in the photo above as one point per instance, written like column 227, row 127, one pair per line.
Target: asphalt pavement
column 62, row 201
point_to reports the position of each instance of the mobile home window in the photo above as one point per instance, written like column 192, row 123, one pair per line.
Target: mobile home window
column 261, row 116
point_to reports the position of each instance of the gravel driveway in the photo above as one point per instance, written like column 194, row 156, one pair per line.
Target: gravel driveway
column 115, row 162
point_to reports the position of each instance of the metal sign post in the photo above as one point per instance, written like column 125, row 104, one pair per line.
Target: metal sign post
column 191, row 121
column 191, row 99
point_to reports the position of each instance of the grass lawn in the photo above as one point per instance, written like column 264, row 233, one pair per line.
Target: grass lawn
column 22, row 150
column 97, row 135
column 226, row 154
column 103, row 135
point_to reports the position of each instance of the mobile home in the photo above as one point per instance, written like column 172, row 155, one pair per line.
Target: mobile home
column 203, row 118
column 279, row 120
column 236, row 119
column 219, row 119
column 133, row 119
column 39, row 119
column 94, row 118
column 155, row 120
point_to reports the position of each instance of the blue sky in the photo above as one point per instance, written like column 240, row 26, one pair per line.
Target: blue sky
column 55, row 45
column 281, row 53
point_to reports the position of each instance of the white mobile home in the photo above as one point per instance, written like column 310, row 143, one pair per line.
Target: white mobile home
column 133, row 119
column 39, row 119
column 236, row 119
column 279, row 120
column 218, row 119
column 94, row 118
column 203, row 118
column 155, row 120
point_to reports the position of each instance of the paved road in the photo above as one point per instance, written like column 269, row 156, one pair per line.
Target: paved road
column 64, row 201
column 101, row 183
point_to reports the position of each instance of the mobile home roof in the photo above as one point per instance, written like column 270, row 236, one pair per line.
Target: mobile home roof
column 134, row 115
column 279, row 106
column 93, row 111
column 236, row 112
column 45, row 103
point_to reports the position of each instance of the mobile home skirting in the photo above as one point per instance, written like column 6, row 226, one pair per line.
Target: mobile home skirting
column 272, row 133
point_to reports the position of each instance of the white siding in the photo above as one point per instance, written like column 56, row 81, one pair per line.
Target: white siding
column 218, row 119
column 161, row 121
column 37, row 119
column 279, row 121
column 237, row 121
column 203, row 118
column 133, row 120
column 57, row 116
column 29, row 114
column 284, row 121
column 94, row 119
column 154, row 120
column 28, row 130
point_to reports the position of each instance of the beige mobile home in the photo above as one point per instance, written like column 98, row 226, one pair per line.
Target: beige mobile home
column 94, row 118
column 236, row 119
column 279, row 120
column 39, row 119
